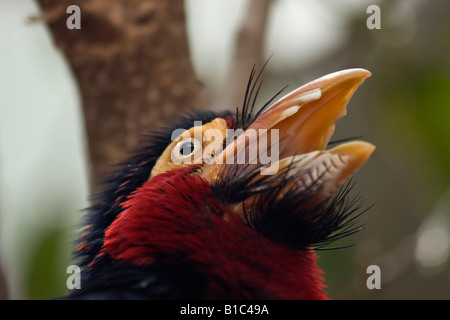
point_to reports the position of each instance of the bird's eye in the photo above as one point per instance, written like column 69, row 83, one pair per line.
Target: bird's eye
column 186, row 148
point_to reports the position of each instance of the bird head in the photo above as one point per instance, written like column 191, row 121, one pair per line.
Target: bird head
column 229, row 205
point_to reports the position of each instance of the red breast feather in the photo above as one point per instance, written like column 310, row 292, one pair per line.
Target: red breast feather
column 175, row 217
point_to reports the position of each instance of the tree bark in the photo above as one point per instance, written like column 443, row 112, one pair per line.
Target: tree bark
column 132, row 65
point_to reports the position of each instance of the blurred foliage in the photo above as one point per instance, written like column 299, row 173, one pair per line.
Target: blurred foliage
column 414, row 113
column 46, row 272
column 405, row 111
column 336, row 267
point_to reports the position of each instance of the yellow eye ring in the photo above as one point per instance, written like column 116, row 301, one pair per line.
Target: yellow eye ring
column 185, row 148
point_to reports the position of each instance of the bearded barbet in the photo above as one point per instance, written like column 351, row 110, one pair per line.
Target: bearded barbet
column 228, row 205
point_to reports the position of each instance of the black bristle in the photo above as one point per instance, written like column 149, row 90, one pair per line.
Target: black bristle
column 293, row 218
column 247, row 115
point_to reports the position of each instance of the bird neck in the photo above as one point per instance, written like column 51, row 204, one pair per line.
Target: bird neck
column 174, row 217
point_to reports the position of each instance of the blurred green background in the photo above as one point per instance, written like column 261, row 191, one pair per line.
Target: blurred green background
column 404, row 109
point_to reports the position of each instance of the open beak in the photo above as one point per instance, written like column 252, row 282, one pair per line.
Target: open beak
column 296, row 130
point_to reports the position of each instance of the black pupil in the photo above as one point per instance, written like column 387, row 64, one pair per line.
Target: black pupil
column 187, row 148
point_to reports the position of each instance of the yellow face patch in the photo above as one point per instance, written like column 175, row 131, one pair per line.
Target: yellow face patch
column 197, row 145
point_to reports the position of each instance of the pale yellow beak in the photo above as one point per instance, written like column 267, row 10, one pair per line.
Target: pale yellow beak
column 305, row 120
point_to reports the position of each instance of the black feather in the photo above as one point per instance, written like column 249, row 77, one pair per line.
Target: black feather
column 296, row 218
column 160, row 281
column 247, row 115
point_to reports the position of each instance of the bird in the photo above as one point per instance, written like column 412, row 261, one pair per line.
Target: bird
column 228, row 204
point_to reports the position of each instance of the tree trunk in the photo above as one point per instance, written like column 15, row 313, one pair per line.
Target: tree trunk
column 132, row 65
